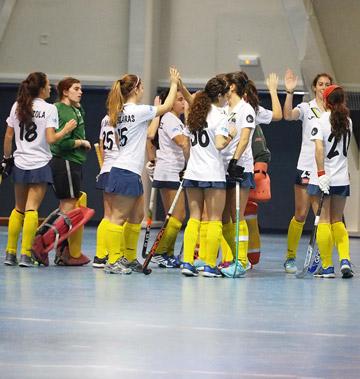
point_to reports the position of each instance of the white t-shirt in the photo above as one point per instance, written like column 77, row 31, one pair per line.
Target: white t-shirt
column 205, row 162
column 132, row 128
column 335, row 160
column 263, row 116
column 241, row 116
column 170, row 158
column 309, row 114
column 32, row 150
column 110, row 143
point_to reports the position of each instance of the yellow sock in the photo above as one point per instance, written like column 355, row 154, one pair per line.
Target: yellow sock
column 325, row 244
column 75, row 240
column 16, row 221
column 31, row 221
column 341, row 240
column 243, row 242
column 173, row 229
column 131, row 236
column 228, row 242
column 101, row 238
column 294, row 235
column 115, row 242
column 190, row 239
column 254, row 234
column 213, row 239
column 203, row 240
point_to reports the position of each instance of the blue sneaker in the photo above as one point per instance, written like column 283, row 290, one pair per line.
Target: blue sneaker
column 211, row 272
column 345, row 268
column 290, row 266
column 189, row 270
column 199, row 264
column 230, row 270
column 328, row 272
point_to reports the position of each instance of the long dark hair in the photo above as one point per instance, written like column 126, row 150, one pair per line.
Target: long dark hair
column 29, row 89
column 245, row 88
column 202, row 103
column 339, row 120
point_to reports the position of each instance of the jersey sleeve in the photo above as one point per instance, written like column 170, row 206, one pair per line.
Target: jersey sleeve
column 316, row 132
column 302, row 110
column 145, row 112
column 52, row 119
column 12, row 119
column 187, row 132
column 247, row 117
column 222, row 127
column 263, row 116
column 172, row 128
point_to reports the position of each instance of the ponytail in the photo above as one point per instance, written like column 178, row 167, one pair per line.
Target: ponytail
column 115, row 103
column 252, row 95
column 339, row 120
column 245, row 88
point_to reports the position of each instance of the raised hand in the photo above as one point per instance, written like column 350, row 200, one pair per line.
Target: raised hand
column 174, row 75
column 272, row 82
column 290, row 80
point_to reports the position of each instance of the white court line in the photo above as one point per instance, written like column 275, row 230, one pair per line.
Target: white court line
column 161, row 372
column 181, row 328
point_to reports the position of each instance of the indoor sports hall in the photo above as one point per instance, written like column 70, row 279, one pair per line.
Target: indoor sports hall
column 271, row 319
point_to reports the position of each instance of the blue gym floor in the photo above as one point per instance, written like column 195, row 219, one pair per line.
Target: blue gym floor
column 60, row 322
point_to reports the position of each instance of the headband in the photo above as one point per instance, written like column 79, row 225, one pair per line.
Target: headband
column 328, row 90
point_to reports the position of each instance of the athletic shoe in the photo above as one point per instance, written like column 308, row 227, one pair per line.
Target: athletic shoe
column 345, row 268
column 189, row 270
column 328, row 272
column 199, row 264
column 248, row 266
column 211, row 272
column 173, row 262
column 63, row 257
column 225, row 264
column 134, row 265
column 235, row 270
column 99, row 262
column 26, row 261
column 290, row 266
column 117, row 268
column 10, row 259
column 160, row 259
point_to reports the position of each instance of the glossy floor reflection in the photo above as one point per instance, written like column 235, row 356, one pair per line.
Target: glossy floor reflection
column 61, row 322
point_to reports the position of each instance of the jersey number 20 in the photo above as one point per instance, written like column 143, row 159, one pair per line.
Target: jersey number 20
column 333, row 152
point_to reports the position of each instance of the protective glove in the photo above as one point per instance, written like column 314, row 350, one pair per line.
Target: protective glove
column 150, row 169
column 181, row 173
column 235, row 172
column 324, row 183
column 6, row 166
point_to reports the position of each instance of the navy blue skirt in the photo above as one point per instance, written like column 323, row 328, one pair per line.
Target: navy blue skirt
column 165, row 184
column 314, row 190
column 187, row 183
column 102, row 181
column 247, row 182
column 36, row 176
column 124, row 182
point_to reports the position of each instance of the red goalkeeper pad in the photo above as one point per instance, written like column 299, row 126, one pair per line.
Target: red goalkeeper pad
column 262, row 190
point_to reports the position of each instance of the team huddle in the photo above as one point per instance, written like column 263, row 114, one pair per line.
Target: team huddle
column 205, row 149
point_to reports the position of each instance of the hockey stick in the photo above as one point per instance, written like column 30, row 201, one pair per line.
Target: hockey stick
column 311, row 245
column 152, row 251
column 148, row 222
column 98, row 154
column 237, row 194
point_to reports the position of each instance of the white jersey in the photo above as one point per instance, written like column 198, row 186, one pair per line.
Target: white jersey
column 335, row 160
column 32, row 150
column 110, row 143
column 241, row 116
column 309, row 115
column 205, row 162
column 262, row 116
column 170, row 158
column 132, row 128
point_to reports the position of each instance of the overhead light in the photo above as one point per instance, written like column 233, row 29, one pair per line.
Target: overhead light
column 248, row 60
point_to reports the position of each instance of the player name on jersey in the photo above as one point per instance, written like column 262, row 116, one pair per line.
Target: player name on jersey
column 127, row 118
column 39, row 114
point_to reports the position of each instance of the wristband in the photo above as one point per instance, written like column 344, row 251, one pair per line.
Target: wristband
column 290, row 92
column 321, row 173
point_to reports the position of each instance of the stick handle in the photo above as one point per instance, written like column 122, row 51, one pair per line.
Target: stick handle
column 98, row 154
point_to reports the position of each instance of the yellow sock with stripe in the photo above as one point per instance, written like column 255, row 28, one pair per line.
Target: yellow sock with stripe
column 131, row 236
column 203, row 240
column 101, row 238
column 190, row 239
column 16, row 221
column 293, row 238
column 174, row 227
column 115, row 242
column 325, row 244
column 228, row 242
column 213, row 240
column 31, row 222
column 243, row 242
column 341, row 240
column 75, row 240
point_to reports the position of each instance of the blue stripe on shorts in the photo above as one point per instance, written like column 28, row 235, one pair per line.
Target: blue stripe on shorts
column 187, row 183
column 247, row 182
column 102, row 180
column 165, row 184
column 124, row 182
column 314, row 190
column 35, row 176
